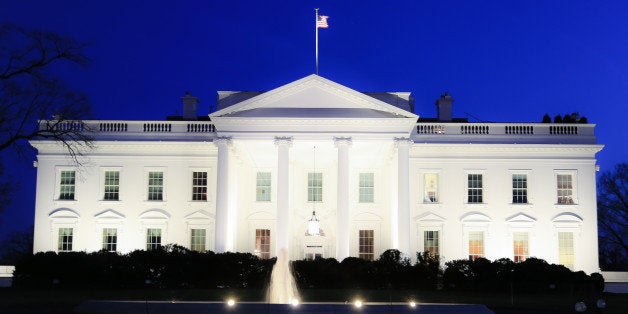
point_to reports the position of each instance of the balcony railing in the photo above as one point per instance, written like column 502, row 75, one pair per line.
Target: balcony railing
column 102, row 128
column 503, row 129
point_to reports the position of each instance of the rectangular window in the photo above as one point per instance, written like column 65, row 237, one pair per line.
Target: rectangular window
column 155, row 186
column 65, row 239
column 315, row 187
column 430, row 194
column 520, row 246
column 197, row 240
column 112, row 185
column 565, row 249
column 367, row 245
column 110, row 239
column 476, row 245
column 262, row 187
column 199, row 186
column 67, row 185
column 262, row 243
column 367, row 187
column 474, row 188
column 519, row 189
column 153, row 239
column 430, row 243
column 564, row 188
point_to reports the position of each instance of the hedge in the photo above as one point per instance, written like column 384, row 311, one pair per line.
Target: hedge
column 168, row 267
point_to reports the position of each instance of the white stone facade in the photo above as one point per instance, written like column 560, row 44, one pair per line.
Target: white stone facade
column 387, row 181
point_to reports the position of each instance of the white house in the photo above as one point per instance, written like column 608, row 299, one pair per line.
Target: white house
column 249, row 177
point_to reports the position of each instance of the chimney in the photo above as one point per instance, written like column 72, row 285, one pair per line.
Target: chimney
column 190, row 104
column 444, row 107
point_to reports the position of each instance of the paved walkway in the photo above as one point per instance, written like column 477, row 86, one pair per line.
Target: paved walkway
column 163, row 307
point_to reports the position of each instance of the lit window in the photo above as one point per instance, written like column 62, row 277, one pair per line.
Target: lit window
column 262, row 243
column 520, row 246
column 199, row 186
column 67, row 185
column 315, row 187
column 112, row 185
column 65, row 239
column 367, row 245
column 564, row 188
column 474, row 188
column 430, row 243
column 262, row 188
column 153, row 239
column 367, row 187
column 110, row 239
column 197, row 240
column 430, row 193
column 476, row 245
column 519, row 189
column 155, row 186
column 565, row 249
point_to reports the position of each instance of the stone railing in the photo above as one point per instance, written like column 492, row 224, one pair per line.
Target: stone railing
column 109, row 128
column 508, row 129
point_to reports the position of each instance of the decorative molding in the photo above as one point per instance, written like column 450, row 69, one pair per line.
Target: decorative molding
column 223, row 140
column 283, row 141
column 403, row 142
column 342, row 141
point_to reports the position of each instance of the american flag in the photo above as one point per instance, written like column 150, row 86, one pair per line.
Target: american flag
column 321, row 21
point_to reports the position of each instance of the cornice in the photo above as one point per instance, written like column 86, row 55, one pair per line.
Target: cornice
column 419, row 149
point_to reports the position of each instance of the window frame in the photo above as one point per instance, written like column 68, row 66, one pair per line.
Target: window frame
column 482, row 189
column 150, row 245
column 60, row 185
column 572, row 256
column 369, row 198
column 148, row 171
column 194, row 186
column 364, row 235
column 259, row 187
column 438, row 242
column 104, row 184
column 260, row 246
column 483, row 246
column 63, row 245
column 521, row 257
column 425, row 196
column 194, row 246
column 313, row 188
column 574, row 187
column 106, row 243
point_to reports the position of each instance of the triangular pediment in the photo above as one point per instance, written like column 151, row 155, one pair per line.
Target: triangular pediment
column 109, row 214
column 315, row 97
column 520, row 218
column 431, row 217
column 199, row 215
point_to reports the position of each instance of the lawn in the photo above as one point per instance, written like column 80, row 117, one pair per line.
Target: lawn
column 62, row 301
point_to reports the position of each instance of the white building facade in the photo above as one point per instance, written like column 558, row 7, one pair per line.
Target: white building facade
column 249, row 178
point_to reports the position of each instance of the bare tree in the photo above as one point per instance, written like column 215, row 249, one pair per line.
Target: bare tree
column 34, row 103
column 612, row 208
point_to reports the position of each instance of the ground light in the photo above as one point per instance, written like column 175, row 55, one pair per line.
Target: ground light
column 412, row 304
column 231, row 302
column 294, row 302
column 357, row 303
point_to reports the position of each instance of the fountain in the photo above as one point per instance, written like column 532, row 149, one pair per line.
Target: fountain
column 282, row 289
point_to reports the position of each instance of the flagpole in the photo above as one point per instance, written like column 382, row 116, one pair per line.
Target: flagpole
column 316, row 27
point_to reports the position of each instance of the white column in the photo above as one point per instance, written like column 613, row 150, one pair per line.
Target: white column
column 342, row 207
column 222, row 194
column 283, row 195
column 403, row 194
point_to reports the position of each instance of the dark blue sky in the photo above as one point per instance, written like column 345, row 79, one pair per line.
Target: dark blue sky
column 501, row 60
